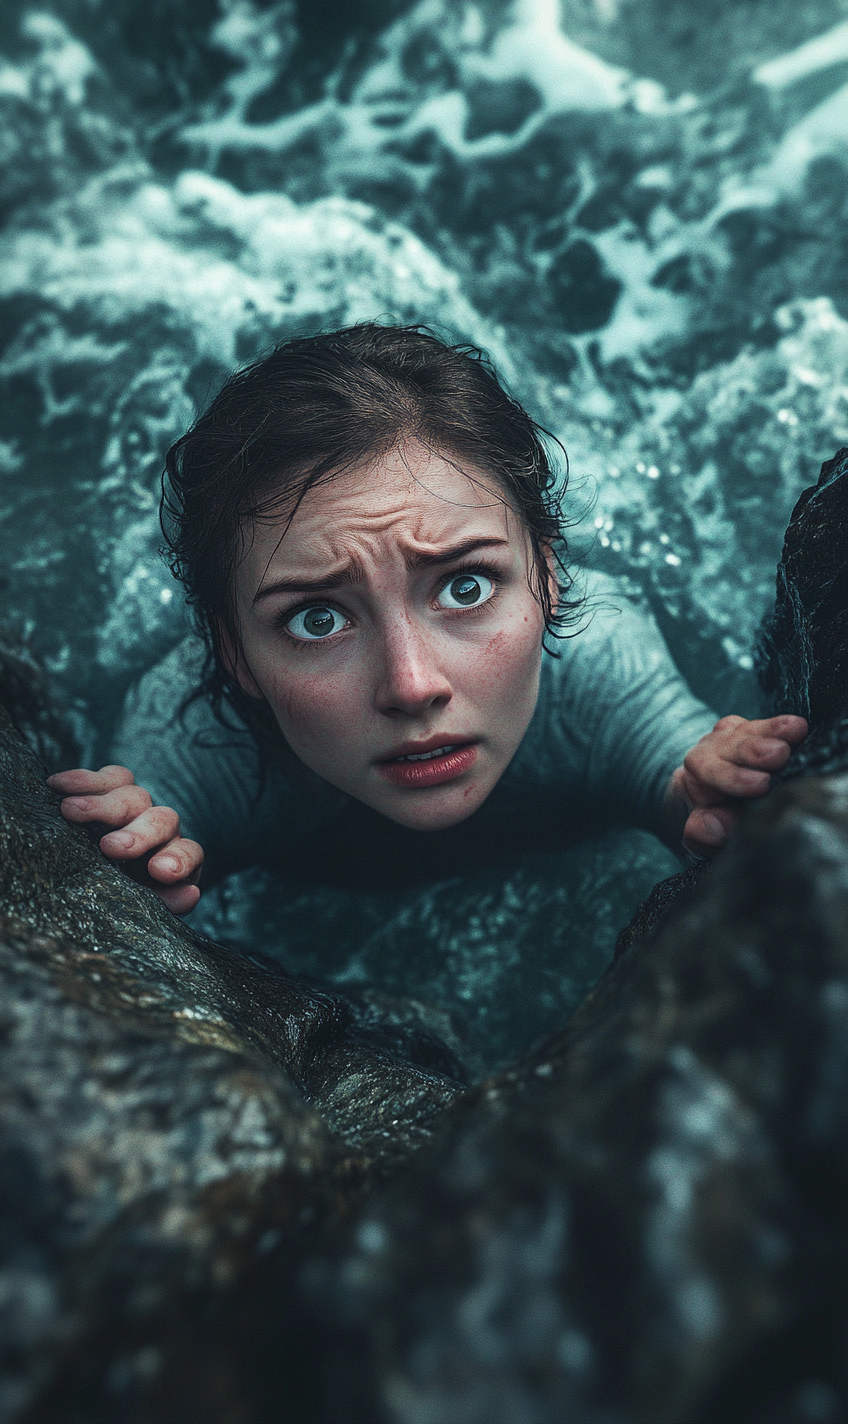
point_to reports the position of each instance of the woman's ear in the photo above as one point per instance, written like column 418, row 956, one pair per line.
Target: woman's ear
column 235, row 664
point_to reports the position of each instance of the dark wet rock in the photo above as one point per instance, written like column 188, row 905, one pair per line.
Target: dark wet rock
column 804, row 645
column 166, row 1106
column 664, row 894
column 644, row 1221
column 136, row 1169
column 825, row 749
column 56, row 881
column 803, row 649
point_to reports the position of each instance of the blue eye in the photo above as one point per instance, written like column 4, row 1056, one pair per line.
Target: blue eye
column 466, row 590
column 315, row 623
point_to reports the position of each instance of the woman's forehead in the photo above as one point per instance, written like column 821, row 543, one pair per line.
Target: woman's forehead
column 412, row 494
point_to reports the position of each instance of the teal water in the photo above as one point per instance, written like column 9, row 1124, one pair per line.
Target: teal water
column 638, row 207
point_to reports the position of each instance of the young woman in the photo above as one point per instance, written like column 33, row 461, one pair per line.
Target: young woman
column 368, row 529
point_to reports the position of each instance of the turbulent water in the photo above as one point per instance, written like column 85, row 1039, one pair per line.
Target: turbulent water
column 637, row 206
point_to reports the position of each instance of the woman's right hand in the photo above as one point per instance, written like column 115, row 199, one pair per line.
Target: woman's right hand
column 110, row 796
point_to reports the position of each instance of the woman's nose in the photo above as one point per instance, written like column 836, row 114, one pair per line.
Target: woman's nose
column 411, row 679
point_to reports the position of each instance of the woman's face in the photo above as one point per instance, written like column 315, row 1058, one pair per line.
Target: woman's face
column 392, row 630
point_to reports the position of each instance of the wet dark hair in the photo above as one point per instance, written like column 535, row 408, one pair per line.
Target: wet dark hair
column 319, row 405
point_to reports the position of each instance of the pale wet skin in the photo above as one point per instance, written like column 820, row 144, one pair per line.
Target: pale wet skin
column 392, row 627
column 396, row 618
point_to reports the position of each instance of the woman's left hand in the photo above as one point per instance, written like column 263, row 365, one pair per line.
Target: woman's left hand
column 728, row 766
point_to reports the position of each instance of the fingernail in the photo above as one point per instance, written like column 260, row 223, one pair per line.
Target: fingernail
column 80, row 801
column 120, row 838
column 168, row 862
column 714, row 829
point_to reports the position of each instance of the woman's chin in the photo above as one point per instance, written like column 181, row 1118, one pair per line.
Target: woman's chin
column 432, row 809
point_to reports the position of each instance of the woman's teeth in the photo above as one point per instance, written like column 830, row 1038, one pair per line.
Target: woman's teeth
column 426, row 756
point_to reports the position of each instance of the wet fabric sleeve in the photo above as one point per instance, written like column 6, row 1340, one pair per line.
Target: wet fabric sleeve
column 211, row 775
column 614, row 719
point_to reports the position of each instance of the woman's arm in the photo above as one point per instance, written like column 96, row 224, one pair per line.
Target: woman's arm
column 623, row 728
column 144, row 837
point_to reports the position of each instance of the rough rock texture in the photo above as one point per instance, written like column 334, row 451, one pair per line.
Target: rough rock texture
column 646, row 1220
column 166, row 1107
column 664, row 894
column 804, row 649
column 804, row 645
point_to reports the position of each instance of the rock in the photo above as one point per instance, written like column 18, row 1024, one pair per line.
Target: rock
column 166, row 1107
column 803, row 650
column 664, row 894
column 644, row 1221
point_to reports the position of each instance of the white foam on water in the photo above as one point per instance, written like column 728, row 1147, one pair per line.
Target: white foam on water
column 332, row 259
column 820, row 133
column 644, row 314
column 234, row 132
column 535, row 49
column 385, row 108
column 62, row 63
column 821, row 52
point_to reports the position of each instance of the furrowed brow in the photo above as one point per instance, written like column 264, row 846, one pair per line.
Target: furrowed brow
column 416, row 559
column 339, row 578
column 352, row 572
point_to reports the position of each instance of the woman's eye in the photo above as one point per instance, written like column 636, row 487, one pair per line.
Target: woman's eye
column 465, row 590
column 317, row 622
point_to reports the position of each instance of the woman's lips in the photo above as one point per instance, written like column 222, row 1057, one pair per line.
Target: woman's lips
column 432, row 769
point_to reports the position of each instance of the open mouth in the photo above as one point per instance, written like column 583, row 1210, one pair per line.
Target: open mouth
column 431, row 766
column 427, row 756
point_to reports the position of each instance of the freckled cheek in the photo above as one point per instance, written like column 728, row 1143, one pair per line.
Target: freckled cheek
column 310, row 710
column 509, row 662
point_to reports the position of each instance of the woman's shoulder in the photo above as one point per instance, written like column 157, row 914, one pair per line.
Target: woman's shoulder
column 178, row 749
column 169, row 694
column 209, row 766
column 613, row 637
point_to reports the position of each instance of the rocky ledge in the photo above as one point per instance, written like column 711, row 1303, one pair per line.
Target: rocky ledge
column 167, row 1106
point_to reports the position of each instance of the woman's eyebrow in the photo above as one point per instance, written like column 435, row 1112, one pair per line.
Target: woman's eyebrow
column 416, row 559
column 353, row 572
